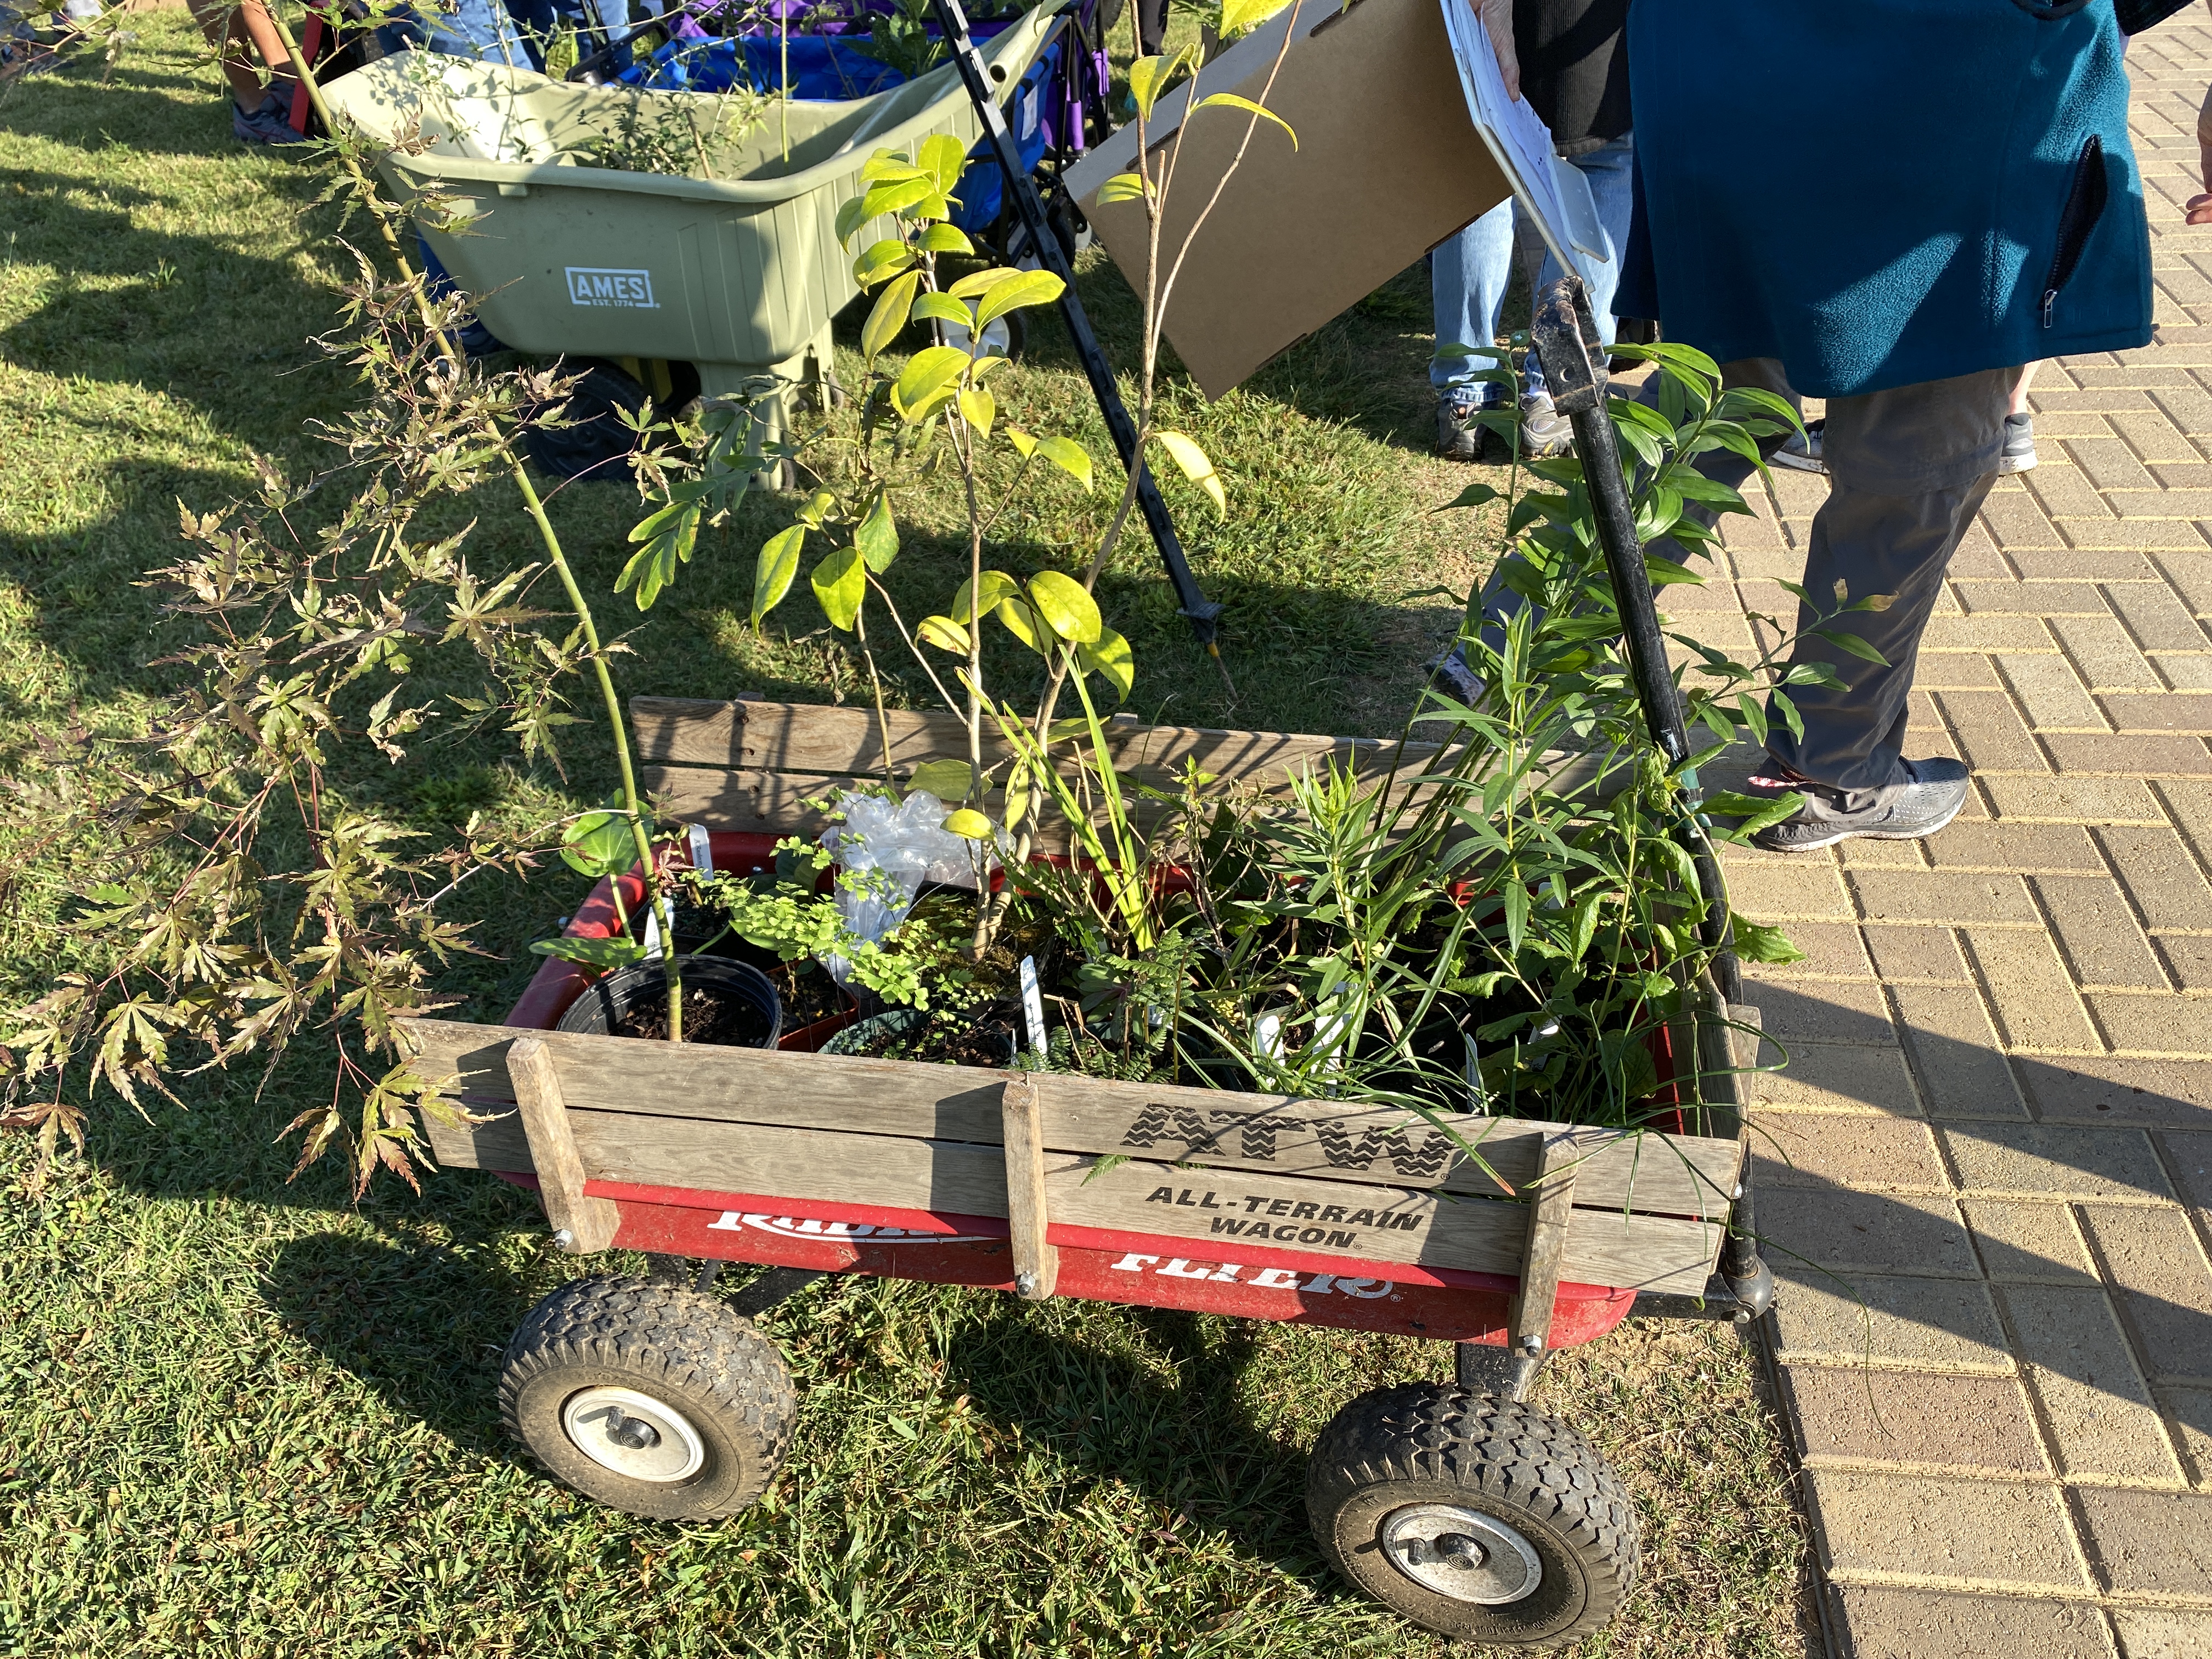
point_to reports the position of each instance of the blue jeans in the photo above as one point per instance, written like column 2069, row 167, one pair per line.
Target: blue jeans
column 515, row 32
column 1470, row 273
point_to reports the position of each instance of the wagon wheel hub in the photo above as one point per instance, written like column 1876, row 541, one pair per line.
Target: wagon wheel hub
column 633, row 1434
column 1462, row 1553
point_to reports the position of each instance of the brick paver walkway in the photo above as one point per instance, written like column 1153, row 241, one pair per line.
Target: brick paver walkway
column 1998, row 1116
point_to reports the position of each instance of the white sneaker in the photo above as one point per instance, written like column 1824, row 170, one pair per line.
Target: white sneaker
column 1802, row 452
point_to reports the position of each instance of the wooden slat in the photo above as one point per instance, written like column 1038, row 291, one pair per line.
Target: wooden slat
column 835, row 742
column 1544, row 1252
column 1037, row 1262
column 580, row 1224
column 1651, row 1174
column 962, row 1178
column 1225, row 1208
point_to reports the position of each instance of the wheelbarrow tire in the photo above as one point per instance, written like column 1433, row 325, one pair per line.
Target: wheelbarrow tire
column 593, row 443
column 1472, row 1516
column 651, row 1397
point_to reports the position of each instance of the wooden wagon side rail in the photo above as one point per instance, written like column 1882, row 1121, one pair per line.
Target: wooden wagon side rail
column 1320, row 1178
column 757, row 766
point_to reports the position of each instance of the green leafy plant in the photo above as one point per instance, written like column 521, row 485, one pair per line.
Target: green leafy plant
column 249, row 902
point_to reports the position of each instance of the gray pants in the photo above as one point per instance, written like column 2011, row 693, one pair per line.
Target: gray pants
column 1908, row 470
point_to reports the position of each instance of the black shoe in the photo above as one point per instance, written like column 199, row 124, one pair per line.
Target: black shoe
column 1459, row 435
column 1930, row 797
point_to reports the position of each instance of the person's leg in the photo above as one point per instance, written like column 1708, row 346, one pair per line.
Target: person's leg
column 2018, row 455
column 1468, row 278
column 1610, row 170
column 228, row 31
column 1152, row 25
column 1909, row 468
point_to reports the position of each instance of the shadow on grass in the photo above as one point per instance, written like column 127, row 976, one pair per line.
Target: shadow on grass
column 159, row 112
column 422, row 1323
column 1159, row 1413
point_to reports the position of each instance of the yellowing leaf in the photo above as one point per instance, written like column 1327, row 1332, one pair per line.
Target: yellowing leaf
column 979, row 409
column 1066, row 608
column 926, row 371
column 946, row 239
column 1121, row 187
column 888, row 164
column 1149, row 78
column 980, row 282
column 1195, row 467
column 944, row 632
column 969, row 823
column 1230, row 100
column 1024, row 288
column 942, row 157
column 1023, row 623
column 944, row 307
column 881, row 261
column 1109, row 656
column 840, row 583
column 1069, row 456
column 895, row 194
column 775, row 570
column 949, row 781
column 889, row 315
column 995, row 587
column 850, row 218
column 1240, row 16
column 816, row 508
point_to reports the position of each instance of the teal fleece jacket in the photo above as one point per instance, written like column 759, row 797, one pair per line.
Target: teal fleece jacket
column 1887, row 191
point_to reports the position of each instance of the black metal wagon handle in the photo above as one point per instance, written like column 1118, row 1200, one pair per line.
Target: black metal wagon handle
column 1022, row 190
column 1568, row 345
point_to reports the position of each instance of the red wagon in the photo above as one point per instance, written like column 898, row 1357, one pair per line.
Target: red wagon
column 1454, row 1503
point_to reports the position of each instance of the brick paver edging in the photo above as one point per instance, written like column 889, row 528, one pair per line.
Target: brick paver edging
column 1987, row 1170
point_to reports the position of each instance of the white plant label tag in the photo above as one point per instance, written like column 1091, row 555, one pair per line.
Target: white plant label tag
column 702, row 855
column 652, row 935
column 1033, row 1006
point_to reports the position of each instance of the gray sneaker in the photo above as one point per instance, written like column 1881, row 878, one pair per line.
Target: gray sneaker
column 1544, row 431
column 2019, row 453
column 1449, row 672
column 1458, row 437
column 1929, row 799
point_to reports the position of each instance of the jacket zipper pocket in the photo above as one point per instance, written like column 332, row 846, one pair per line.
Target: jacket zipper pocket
column 2085, row 206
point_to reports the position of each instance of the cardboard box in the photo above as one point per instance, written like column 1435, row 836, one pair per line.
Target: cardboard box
column 1388, row 164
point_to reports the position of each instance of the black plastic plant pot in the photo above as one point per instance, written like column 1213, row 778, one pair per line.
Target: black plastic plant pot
column 605, row 1004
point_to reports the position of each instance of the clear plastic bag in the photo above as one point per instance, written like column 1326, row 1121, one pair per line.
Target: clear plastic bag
column 907, row 842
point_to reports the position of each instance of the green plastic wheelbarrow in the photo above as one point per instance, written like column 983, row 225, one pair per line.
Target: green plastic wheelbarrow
column 737, row 273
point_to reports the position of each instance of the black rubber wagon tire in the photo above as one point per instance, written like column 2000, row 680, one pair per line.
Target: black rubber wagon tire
column 594, row 445
column 1473, row 1516
column 650, row 1397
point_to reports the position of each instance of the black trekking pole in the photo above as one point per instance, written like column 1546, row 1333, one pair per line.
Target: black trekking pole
column 1573, row 354
column 1021, row 189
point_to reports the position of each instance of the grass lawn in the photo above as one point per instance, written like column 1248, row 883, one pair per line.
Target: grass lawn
column 246, row 1417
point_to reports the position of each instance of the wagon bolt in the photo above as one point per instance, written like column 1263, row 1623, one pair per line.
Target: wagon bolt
column 1738, row 1192
column 564, row 1239
column 635, row 1432
column 1458, row 1550
column 1025, row 1284
column 1533, row 1343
